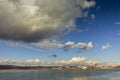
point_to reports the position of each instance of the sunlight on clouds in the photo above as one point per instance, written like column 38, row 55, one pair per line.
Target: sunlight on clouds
column 73, row 61
column 85, row 3
column 79, row 78
column 90, row 62
column 65, row 46
column 84, row 46
column 69, row 43
column 51, row 45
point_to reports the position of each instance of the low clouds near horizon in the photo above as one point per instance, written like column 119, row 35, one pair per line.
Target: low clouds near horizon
column 35, row 20
column 75, row 61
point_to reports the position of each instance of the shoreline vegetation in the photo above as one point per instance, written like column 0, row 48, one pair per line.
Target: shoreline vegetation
column 14, row 67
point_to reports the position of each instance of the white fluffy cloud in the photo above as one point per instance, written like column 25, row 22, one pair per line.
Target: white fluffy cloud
column 34, row 20
column 104, row 47
column 84, row 46
column 20, row 62
column 38, row 62
column 70, row 44
column 91, row 62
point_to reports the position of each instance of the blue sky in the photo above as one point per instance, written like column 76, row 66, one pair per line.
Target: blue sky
column 94, row 34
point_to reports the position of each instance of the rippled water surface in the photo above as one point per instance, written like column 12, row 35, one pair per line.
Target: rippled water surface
column 60, row 75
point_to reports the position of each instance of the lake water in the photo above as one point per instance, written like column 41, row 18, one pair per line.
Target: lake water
column 60, row 75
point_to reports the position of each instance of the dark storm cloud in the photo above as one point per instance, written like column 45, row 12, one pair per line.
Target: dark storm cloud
column 35, row 20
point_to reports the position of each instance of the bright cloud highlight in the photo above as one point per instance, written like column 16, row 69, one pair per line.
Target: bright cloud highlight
column 71, row 62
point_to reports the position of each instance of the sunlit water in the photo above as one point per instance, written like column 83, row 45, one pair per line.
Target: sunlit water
column 60, row 75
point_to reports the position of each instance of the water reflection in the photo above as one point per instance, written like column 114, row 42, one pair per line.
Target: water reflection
column 60, row 75
column 79, row 78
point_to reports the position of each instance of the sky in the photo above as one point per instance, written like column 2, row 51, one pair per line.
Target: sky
column 59, row 32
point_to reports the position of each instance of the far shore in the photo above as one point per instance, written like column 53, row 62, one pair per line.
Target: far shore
column 14, row 67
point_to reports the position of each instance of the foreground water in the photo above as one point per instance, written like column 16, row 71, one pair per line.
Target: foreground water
column 60, row 75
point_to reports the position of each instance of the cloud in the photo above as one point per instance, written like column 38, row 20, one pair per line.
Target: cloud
column 35, row 20
column 98, row 8
column 19, row 44
column 84, row 46
column 104, row 47
column 79, row 45
column 51, row 45
column 21, row 62
column 93, row 17
column 117, row 23
column 118, row 34
column 75, row 61
column 48, row 44
column 92, row 62
column 53, row 55
column 69, row 43
column 65, row 46
column 85, row 4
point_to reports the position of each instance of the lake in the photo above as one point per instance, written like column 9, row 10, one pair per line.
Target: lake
column 59, row 74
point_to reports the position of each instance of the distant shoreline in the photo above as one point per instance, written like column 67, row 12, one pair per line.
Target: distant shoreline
column 14, row 67
column 62, row 69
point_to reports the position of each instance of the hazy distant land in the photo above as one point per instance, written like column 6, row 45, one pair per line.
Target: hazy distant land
column 15, row 67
